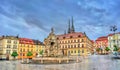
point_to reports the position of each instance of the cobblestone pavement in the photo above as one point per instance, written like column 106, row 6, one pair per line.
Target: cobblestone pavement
column 94, row 62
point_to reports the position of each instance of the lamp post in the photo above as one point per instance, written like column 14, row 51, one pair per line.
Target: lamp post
column 113, row 29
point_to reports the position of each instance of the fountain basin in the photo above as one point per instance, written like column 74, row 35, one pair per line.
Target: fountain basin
column 44, row 60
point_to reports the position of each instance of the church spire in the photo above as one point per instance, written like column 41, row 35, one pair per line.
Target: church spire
column 72, row 27
column 69, row 30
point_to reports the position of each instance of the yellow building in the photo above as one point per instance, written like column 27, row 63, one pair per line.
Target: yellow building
column 39, row 47
column 74, row 43
column 26, row 45
column 8, row 44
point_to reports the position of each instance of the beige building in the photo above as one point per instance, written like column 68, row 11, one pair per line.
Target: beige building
column 8, row 44
column 75, row 43
column 39, row 47
column 114, row 39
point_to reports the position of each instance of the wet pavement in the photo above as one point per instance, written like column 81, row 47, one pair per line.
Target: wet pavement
column 94, row 62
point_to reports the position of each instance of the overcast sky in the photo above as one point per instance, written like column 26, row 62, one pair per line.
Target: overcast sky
column 34, row 18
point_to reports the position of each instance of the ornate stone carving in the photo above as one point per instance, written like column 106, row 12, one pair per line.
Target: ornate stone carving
column 52, row 48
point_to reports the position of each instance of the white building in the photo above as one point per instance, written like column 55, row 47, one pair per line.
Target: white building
column 8, row 44
column 114, row 39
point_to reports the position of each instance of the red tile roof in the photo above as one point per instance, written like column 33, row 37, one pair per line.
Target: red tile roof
column 73, row 35
column 102, row 38
column 25, row 41
column 113, row 34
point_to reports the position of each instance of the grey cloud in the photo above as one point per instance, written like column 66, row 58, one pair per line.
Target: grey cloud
column 34, row 21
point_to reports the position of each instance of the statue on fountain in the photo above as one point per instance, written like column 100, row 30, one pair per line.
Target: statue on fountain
column 52, row 48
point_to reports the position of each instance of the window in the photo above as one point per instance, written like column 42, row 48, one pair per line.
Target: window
column 14, row 51
column 68, row 46
column 78, row 40
column 28, row 50
column 57, row 38
column 71, row 46
column 8, row 46
column 20, row 50
column 68, row 41
column 8, row 41
column 23, row 54
column 15, row 42
column 74, row 46
column 63, row 37
column 82, row 40
column 78, row 51
column 71, row 37
column 78, row 35
column 78, row 45
column 63, row 46
column 71, row 51
column 82, row 45
column 74, row 40
column 23, row 50
column 82, row 51
column 20, row 54
column 32, row 50
column 8, row 51
column 14, row 46
column 62, row 41
column 74, row 51
column 65, row 41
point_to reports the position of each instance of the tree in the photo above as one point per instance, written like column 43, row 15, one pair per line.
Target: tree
column 14, row 54
column 107, row 49
column 116, row 50
column 29, row 54
column 41, row 52
column 98, row 50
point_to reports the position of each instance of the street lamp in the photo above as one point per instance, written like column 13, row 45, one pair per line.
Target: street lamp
column 113, row 29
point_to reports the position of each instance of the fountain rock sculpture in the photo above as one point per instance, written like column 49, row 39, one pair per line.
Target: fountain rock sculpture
column 52, row 48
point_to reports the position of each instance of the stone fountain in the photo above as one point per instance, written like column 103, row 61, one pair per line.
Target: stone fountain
column 52, row 48
column 52, row 52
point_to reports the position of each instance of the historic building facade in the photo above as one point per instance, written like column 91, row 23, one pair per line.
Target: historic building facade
column 8, row 44
column 74, row 43
column 39, row 47
column 114, row 39
column 26, row 45
column 101, row 43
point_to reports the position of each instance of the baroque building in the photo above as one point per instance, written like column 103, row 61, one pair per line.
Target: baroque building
column 102, row 43
column 39, row 47
column 74, row 43
column 26, row 45
column 114, row 39
column 8, row 44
